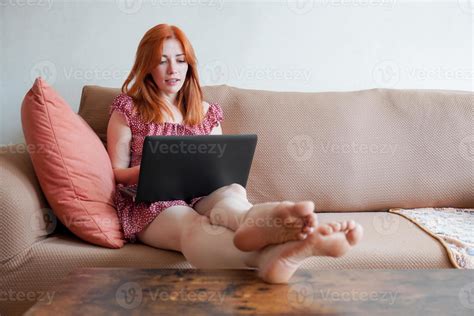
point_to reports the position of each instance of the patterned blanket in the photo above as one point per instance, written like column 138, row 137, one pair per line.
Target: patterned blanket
column 453, row 227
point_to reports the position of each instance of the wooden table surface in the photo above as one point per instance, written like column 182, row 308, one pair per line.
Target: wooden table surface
column 130, row 291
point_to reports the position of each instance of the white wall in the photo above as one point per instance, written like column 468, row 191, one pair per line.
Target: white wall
column 304, row 45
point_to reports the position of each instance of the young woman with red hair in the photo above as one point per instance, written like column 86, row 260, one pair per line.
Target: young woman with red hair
column 162, row 96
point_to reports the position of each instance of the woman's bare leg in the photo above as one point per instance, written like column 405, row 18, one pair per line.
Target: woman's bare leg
column 225, row 206
column 267, row 223
column 180, row 228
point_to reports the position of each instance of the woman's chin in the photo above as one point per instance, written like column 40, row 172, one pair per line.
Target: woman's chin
column 171, row 90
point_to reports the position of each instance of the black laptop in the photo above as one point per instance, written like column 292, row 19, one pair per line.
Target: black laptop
column 184, row 167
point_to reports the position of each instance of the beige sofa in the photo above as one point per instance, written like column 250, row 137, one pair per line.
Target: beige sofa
column 356, row 154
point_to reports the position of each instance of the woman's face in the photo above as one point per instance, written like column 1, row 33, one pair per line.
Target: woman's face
column 170, row 73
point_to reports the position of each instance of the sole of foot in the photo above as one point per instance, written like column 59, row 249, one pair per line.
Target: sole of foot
column 278, row 263
column 274, row 223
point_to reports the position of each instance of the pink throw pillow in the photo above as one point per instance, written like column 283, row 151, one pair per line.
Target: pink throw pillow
column 72, row 166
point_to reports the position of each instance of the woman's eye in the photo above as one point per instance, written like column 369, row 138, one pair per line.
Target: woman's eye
column 179, row 61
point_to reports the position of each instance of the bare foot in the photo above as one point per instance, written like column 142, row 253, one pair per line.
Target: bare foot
column 274, row 223
column 278, row 263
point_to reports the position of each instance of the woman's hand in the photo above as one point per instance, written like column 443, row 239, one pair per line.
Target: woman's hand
column 136, row 173
column 127, row 176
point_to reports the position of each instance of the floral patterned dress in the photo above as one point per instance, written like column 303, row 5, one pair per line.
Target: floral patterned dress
column 133, row 216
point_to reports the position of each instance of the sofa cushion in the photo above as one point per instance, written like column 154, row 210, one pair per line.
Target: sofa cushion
column 72, row 166
column 348, row 151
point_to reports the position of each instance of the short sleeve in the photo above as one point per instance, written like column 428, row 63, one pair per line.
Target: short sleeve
column 215, row 115
column 122, row 104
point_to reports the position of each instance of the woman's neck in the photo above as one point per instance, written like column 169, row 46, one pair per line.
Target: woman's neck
column 170, row 99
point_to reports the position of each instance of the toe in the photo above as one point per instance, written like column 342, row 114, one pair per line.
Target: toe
column 302, row 236
column 311, row 220
column 343, row 225
column 335, row 226
column 355, row 235
column 324, row 229
column 303, row 208
column 351, row 224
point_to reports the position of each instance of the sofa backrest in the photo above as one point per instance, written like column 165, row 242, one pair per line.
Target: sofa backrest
column 347, row 151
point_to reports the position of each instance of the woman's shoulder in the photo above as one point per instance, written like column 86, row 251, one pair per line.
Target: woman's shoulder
column 213, row 111
column 210, row 107
column 122, row 103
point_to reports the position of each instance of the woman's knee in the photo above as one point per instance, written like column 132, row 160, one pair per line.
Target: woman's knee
column 166, row 229
column 235, row 189
column 192, row 229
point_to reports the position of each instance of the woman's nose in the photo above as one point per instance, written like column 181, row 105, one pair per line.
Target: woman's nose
column 171, row 68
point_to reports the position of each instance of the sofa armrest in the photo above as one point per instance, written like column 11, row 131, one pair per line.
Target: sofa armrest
column 25, row 216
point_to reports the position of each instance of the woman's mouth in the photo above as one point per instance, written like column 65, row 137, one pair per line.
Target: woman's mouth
column 172, row 82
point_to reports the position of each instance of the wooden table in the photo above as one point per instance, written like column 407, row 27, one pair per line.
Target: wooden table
column 117, row 291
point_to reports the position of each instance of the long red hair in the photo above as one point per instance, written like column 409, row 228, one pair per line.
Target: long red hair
column 146, row 94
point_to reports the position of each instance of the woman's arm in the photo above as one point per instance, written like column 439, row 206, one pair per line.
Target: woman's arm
column 119, row 137
column 217, row 130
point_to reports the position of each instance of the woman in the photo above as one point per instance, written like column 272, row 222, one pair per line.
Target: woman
column 162, row 96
